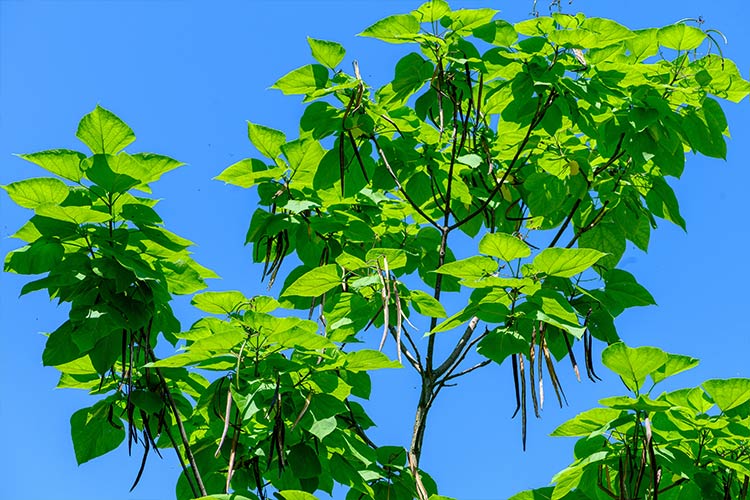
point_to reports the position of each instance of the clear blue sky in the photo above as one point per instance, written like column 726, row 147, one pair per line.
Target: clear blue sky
column 185, row 76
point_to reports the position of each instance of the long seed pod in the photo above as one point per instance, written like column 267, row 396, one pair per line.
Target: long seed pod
column 399, row 315
column 571, row 356
column 523, row 400
column 227, row 416
column 514, row 362
column 532, row 381
column 553, row 375
column 540, row 357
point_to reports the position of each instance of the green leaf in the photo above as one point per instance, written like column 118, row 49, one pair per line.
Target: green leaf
column 587, row 422
column 633, row 364
column 497, row 32
column 367, row 359
column 662, row 201
column 566, row 480
column 76, row 215
column 463, row 21
column 394, row 257
column 641, row 403
column 39, row 257
column 426, row 305
column 536, row 494
column 675, row 364
column 304, row 80
column 474, row 267
column 37, row 192
column 503, row 246
column 62, row 162
column 501, row 343
column 149, row 167
column 92, row 433
column 109, row 172
column 680, row 37
column 401, row 28
column 728, row 393
column 456, row 320
column 327, row 53
column 315, row 282
column 103, row 132
column 554, row 309
column 431, row 11
column 621, row 291
column 565, row 262
column 266, row 140
column 296, row 495
column 249, row 172
column 219, row 302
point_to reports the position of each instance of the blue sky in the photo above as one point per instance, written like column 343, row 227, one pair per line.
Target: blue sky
column 186, row 76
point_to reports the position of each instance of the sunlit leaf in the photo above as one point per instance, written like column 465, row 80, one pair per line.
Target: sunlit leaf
column 327, row 53
column 503, row 246
column 103, row 132
column 315, row 282
column 37, row 192
column 728, row 393
column 400, row 28
column 565, row 262
column 633, row 364
column 62, row 162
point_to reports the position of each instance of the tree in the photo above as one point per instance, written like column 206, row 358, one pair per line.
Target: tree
column 553, row 145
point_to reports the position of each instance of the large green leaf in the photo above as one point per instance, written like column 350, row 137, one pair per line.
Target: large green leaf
column 675, row 364
column 37, row 192
column 103, row 132
column 554, row 309
column 392, row 258
column 93, row 434
column 367, row 359
column 728, row 393
column 62, row 162
column 662, row 201
column 501, row 343
column 76, row 215
column 565, row 262
column 474, row 267
column 426, row 304
column 503, row 246
column 315, row 282
column 587, row 422
column 633, row 364
column 431, row 11
column 39, row 257
column 401, row 28
column 296, row 495
column 327, row 53
column 219, row 302
column 266, row 140
column 304, row 80
column 680, row 37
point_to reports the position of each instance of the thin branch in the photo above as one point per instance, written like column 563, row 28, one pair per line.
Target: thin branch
column 468, row 370
column 456, row 352
column 413, row 360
